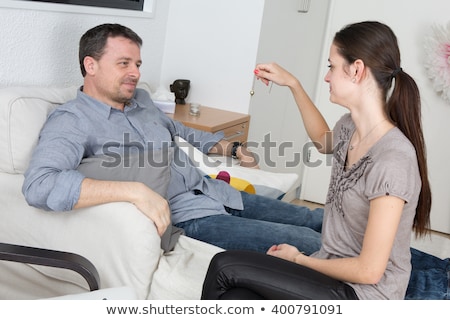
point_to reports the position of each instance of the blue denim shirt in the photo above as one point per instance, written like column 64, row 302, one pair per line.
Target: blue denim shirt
column 86, row 127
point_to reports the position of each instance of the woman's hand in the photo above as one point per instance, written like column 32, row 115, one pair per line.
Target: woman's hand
column 273, row 72
column 286, row 252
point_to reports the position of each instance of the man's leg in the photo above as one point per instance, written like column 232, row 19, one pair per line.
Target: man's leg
column 237, row 233
column 268, row 209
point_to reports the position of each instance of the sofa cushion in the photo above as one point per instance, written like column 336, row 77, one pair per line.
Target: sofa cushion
column 151, row 168
column 23, row 111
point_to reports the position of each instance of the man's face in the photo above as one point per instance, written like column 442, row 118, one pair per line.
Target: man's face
column 117, row 72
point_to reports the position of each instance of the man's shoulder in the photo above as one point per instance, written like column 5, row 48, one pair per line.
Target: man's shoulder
column 68, row 108
column 142, row 96
column 74, row 112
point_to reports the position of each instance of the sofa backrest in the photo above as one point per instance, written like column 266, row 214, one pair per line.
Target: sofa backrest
column 23, row 111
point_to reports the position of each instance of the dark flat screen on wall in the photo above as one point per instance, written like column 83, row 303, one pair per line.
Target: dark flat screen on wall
column 117, row 4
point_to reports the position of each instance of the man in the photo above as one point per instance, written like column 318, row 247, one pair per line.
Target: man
column 109, row 109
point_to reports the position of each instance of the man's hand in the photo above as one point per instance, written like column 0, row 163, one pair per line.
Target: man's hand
column 246, row 158
column 153, row 206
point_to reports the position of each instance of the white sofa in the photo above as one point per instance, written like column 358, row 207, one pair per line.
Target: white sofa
column 119, row 240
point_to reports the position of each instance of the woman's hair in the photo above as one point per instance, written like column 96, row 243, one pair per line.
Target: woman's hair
column 376, row 45
column 93, row 42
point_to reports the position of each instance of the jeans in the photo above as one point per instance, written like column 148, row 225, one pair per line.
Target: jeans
column 262, row 223
column 430, row 277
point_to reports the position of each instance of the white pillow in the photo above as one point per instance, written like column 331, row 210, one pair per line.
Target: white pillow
column 23, row 111
column 266, row 183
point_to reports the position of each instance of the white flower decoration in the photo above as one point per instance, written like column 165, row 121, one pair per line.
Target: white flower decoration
column 437, row 60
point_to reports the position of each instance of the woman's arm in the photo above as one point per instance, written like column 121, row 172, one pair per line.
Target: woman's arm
column 369, row 266
column 314, row 123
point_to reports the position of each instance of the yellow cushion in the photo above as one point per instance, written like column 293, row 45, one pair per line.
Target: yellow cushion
column 239, row 184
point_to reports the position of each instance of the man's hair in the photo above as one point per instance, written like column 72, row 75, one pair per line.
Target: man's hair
column 93, row 42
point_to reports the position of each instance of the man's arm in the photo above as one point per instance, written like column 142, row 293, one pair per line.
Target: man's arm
column 53, row 183
column 94, row 192
column 203, row 141
column 245, row 156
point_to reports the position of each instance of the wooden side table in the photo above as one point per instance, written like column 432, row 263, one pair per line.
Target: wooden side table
column 234, row 125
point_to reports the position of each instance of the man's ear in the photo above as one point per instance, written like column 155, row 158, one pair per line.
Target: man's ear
column 89, row 64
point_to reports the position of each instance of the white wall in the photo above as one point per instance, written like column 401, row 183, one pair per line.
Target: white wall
column 411, row 20
column 41, row 47
column 211, row 42
column 214, row 44
column 294, row 40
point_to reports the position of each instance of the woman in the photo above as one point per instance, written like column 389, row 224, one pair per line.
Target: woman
column 378, row 193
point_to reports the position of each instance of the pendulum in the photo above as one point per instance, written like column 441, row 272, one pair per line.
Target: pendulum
column 252, row 92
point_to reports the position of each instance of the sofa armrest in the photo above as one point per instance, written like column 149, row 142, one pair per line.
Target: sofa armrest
column 117, row 238
column 52, row 258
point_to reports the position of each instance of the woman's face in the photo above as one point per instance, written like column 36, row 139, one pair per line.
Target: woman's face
column 338, row 77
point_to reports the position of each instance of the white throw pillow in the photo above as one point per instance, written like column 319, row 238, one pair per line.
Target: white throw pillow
column 266, row 183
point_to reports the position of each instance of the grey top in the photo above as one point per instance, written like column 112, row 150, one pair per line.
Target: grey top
column 85, row 127
column 389, row 168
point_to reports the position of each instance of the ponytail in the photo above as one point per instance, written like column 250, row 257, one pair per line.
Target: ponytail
column 404, row 109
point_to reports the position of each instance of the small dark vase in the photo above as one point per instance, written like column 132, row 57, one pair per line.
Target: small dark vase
column 180, row 88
